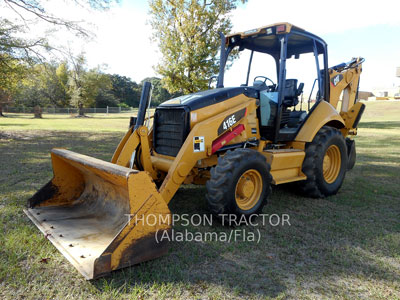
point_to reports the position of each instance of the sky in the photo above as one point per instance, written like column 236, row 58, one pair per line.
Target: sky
column 370, row 29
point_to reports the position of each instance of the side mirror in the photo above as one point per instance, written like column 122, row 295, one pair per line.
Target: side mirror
column 210, row 82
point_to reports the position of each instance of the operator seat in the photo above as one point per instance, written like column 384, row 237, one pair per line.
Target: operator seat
column 292, row 93
column 290, row 99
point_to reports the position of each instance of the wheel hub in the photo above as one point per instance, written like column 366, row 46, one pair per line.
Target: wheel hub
column 248, row 189
column 331, row 164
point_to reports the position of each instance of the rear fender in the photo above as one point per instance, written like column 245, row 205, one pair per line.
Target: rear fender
column 323, row 114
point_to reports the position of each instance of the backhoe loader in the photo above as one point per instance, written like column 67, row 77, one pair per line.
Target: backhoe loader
column 238, row 141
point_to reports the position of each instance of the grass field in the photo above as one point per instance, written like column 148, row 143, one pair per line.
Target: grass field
column 346, row 246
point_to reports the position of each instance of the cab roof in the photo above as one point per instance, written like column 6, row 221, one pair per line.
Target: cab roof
column 253, row 32
column 266, row 39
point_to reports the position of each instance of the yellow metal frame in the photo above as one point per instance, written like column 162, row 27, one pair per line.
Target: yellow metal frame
column 285, row 165
column 349, row 118
column 348, row 85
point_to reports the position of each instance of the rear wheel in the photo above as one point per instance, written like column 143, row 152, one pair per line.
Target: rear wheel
column 239, row 184
column 325, row 163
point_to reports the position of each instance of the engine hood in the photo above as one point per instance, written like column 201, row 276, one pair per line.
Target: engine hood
column 208, row 97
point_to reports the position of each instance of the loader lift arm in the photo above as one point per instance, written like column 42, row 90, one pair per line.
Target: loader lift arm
column 187, row 157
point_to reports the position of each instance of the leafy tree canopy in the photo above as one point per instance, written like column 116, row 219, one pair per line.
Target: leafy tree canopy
column 187, row 32
column 18, row 49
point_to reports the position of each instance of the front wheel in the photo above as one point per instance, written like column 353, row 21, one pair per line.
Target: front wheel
column 239, row 184
column 325, row 163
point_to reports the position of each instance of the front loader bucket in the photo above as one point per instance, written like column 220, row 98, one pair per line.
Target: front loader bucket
column 99, row 215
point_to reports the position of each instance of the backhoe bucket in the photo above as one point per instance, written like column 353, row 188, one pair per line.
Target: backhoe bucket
column 99, row 215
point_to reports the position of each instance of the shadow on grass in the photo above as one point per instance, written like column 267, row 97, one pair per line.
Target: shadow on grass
column 17, row 116
column 11, row 125
column 100, row 116
column 126, row 117
column 381, row 125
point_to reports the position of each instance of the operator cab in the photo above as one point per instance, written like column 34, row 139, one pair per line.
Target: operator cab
column 281, row 111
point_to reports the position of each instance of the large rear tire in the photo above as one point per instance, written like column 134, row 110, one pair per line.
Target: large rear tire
column 325, row 163
column 240, row 183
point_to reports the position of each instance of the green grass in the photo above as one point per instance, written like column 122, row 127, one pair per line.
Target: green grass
column 346, row 246
column 92, row 123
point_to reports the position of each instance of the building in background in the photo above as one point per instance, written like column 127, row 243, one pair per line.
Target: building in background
column 387, row 93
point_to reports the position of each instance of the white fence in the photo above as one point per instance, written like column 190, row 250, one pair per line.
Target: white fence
column 69, row 110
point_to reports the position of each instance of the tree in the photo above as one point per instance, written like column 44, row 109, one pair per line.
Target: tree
column 16, row 51
column 91, row 88
column 125, row 90
column 159, row 93
column 62, row 74
column 11, row 73
column 11, row 68
column 187, row 32
column 44, row 85
column 51, row 83
column 97, row 89
column 30, row 13
column 75, row 81
column 30, row 91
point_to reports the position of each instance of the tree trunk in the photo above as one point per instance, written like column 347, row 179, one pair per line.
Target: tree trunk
column 1, row 110
column 81, row 111
column 37, row 112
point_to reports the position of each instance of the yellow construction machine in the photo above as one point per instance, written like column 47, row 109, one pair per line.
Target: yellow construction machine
column 238, row 141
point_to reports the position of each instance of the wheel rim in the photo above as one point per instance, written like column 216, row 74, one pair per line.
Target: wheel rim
column 332, row 163
column 248, row 189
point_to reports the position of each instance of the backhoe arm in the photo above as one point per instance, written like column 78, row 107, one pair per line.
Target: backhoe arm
column 345, row 78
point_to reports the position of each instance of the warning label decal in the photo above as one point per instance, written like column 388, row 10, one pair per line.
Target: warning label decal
column 198, row 144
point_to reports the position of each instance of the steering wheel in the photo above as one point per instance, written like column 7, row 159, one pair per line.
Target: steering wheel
column 271, row 87
column 265, row 79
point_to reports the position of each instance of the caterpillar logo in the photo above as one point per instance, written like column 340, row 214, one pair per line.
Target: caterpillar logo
column 335, row 80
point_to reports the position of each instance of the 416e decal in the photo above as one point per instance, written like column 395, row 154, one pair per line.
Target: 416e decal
column 231, row 120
